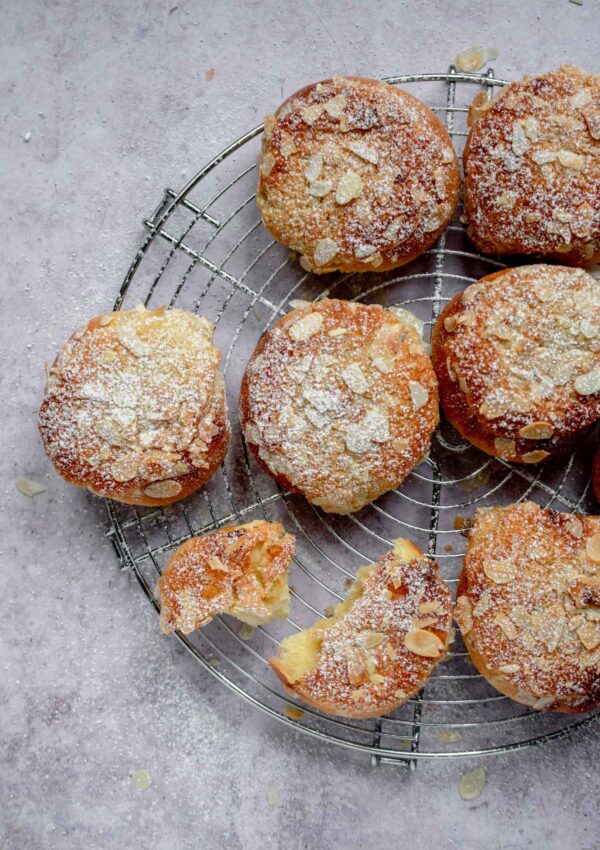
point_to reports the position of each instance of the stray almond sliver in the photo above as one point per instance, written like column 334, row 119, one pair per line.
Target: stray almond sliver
column 424, row 643
column 592, row 548
column 500, row 572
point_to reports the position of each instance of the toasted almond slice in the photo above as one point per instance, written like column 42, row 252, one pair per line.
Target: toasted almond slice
column 509, row 668
column 306, row 327
column 356, row 666
column 418, row 394
column 535, row 457
column 374, row 639
column 400, row 694
column 349, row 187
column 422, row 622
column 591, row 115
column 314, row 167
column 575, row 527
column 325, row 250
column 106, row 320
column 592, row 548
column 267, row 164
column 424, row 643
column 335, row 107
column 218, row 565
column 320, row 188
column 570, row 159
column 430, row 607
column 537, row 431
column 507, row 626
column 357, row 694
column 354, row 378
column 463, row 614
column 163, row 489
column 450, row 324
column 472, row 783
column 293, row 713
column 500, row 572
column 29, row 488
column 588, row 383
column 310, row 114
column 364, row 152
column 589, row 635
column 505, row 447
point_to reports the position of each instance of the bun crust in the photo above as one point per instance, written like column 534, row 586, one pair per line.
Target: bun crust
column 134, row 407
column 356, row 175
column 532, row 168
column 527, row 605
column 339, row 402
column 517, row 357
column 380, row 645
column 239, row 570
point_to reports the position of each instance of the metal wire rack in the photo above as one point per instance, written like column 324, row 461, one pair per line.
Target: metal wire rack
column 207, row 251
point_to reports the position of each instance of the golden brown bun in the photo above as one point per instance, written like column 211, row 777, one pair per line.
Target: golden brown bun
column 339, row 402
column 356, row 175
column 532, row 168
column 134, row 408
column 239, row 570
column 517, row 356
column 380, row 645
column 528, row 605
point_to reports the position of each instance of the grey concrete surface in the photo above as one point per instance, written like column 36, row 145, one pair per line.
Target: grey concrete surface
column 103, row 104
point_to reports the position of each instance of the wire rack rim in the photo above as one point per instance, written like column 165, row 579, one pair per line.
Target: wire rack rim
column 171, row 200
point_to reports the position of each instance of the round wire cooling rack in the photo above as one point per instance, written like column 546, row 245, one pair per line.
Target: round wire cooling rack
column 206, row 251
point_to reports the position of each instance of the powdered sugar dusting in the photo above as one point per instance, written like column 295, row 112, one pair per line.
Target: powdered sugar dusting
column 328, row 412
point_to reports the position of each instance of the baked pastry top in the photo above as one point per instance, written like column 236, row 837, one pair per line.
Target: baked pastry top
column 241, row 570
column 517, row 356
column 134, row 407
column 339, row 402
column 532, row 168
column 380, row 645
column 528, row 605
column 356, row 175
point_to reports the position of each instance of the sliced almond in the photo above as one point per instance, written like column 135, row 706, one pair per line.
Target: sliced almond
column 430, row 607
column 544, row 157
column 591, row 115
column 424, row 643
column 287, row 145
column 364, row 152
column 575, row 527
column 450, row 324
column 310, row 114
column 325, row 250
column 354, row 378
column 588, row 383
column 267, row 163
column 535, row 457
column 592, row 548
column 463, row 614
column 306, row 326
column 537, row 431
column 418, row 394
column 349, row 187
column 585, row 592
column 509, row 668
column 500, row 572
column 507, row 626
column 505, row 447
column 335, row 107
column 29, row 488
column 217, row 564
column 163, row 489
column 589, row 635
column 315, row 165
column 106, row 319
column 569, row 159
column 357, row 694
column 320, row 188
column 374, row 639
column 293, row 713
column 356, row 666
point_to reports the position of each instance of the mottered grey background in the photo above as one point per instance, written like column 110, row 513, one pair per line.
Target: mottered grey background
column 104, row 104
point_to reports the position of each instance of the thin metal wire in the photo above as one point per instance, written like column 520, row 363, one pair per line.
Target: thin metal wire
column 329, row 548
